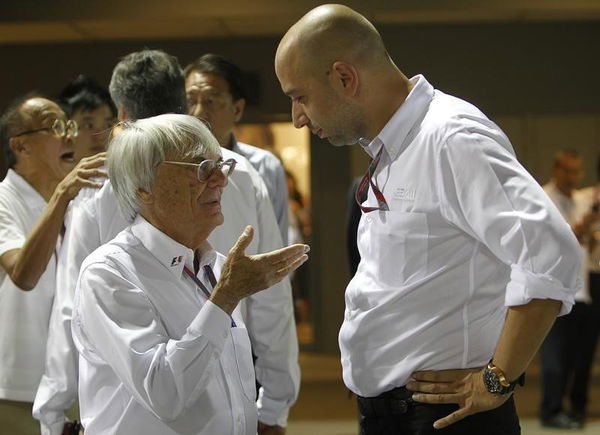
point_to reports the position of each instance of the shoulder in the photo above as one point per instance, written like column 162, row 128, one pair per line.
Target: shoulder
column 113, row 253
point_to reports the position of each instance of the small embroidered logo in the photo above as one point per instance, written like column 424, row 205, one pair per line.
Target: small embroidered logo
column 177, row 260
column 405, row 193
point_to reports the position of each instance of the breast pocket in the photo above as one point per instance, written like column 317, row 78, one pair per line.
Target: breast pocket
column 395, row 246
column 243, row 359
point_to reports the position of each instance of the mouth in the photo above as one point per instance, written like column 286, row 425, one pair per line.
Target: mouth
column 68, row 157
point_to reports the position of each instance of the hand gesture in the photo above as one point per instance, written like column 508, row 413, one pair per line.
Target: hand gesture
column 243, row 275
column 80, row 176
column 464, row 387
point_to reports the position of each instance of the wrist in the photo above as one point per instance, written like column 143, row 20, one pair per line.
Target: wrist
column 497, row 382
column 224, row 299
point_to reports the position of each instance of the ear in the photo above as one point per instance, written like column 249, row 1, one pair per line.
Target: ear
column 345, row 77
column 238, row 109
column 145, row 197
column 18, row 146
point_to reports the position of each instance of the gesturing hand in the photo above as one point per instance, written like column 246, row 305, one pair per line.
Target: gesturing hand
column 464, row 387
column 80, row 176
column 243, row 275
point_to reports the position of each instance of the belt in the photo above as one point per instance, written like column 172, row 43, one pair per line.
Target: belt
column 393, row 402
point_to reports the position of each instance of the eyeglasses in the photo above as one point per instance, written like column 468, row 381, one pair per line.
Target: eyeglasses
column 60, row 128
column 206, row 168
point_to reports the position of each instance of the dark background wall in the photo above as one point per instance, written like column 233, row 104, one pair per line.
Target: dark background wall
column 533, row 77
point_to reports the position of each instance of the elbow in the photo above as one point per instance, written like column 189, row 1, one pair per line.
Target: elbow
column 23, row 283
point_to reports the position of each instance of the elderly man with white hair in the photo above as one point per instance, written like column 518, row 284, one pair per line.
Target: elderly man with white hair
column 163, row 346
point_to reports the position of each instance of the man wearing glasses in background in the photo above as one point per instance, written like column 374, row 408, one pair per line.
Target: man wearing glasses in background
column 41, row 180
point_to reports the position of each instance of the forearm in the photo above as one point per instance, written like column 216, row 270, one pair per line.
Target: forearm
column 524, row 331
column 31, row 260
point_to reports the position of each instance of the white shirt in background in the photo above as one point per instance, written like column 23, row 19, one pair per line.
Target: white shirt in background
column 572, row 210
column 271, row 170
column 24, row 315
column 469, row 232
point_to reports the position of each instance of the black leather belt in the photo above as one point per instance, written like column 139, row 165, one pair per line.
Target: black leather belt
column 393, row 402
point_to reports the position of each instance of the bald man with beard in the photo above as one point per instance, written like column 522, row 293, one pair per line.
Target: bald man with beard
column 465, row 262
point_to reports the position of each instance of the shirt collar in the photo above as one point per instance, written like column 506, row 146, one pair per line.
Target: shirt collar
column 26, row 191
column 172, row 254
column 393, row 135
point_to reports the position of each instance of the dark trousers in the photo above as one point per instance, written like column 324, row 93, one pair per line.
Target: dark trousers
column 567, row 355
column 418, row 419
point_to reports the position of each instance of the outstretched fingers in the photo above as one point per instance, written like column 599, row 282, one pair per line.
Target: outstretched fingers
column 283, row 256
column 242, row 242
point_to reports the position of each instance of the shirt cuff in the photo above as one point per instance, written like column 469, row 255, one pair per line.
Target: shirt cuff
column 213, row 323
column 525, row 286
column 272, row 412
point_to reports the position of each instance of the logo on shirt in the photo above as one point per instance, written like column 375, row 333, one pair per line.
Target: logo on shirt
column 176, row 260
column 404, row 193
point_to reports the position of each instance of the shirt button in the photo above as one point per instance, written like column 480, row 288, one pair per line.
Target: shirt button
column 239, row 419
column 224, row 335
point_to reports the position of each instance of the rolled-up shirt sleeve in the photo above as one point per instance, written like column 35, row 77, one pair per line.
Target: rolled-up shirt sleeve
column 115, row 321
column 486, row 192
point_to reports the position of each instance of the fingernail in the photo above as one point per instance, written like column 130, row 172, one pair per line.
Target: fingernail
column 306, row 248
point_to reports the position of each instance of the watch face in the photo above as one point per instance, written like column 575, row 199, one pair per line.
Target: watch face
column 491, row 381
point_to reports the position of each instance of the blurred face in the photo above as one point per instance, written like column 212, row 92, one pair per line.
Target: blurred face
column 184, row 208
column 209, row 98
column 94, row 130
column 44, row 150
column 567, row 174
column 316, row 105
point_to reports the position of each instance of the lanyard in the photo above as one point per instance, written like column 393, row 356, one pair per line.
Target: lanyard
column 367, row 179
column 211, row 278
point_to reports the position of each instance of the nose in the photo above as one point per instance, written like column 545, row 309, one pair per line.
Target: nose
column 217, row 179
column 196, row 110
column 299, row 118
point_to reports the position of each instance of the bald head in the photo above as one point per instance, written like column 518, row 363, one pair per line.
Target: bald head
column 334, row 67
column 329, row 33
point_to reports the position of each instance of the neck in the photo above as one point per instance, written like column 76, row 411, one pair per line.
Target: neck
column 189, row 240
column 396, row 86
column 227, row 141
column 39, row 180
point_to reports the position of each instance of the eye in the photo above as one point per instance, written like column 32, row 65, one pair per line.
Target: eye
column 299, row 100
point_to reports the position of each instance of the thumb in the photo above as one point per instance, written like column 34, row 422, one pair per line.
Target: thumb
column 243, row 241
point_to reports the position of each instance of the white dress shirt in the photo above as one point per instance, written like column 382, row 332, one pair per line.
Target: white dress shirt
column 156, row 356
column 95, row 219
column 469, row 232
column 271, row 170
column 24, row 315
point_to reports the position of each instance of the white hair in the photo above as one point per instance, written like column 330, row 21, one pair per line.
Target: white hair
column 136, row 151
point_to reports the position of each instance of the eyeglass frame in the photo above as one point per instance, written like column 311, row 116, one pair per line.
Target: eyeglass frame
column 219, row 163
column 68, row 125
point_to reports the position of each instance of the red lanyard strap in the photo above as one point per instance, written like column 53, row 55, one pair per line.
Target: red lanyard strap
column 211, row 278
column 363, row 186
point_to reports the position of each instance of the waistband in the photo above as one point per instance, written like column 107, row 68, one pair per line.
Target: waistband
column 392, row 402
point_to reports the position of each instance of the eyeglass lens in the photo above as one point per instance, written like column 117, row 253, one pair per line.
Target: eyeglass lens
column 62, row 127
column 206, row 168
